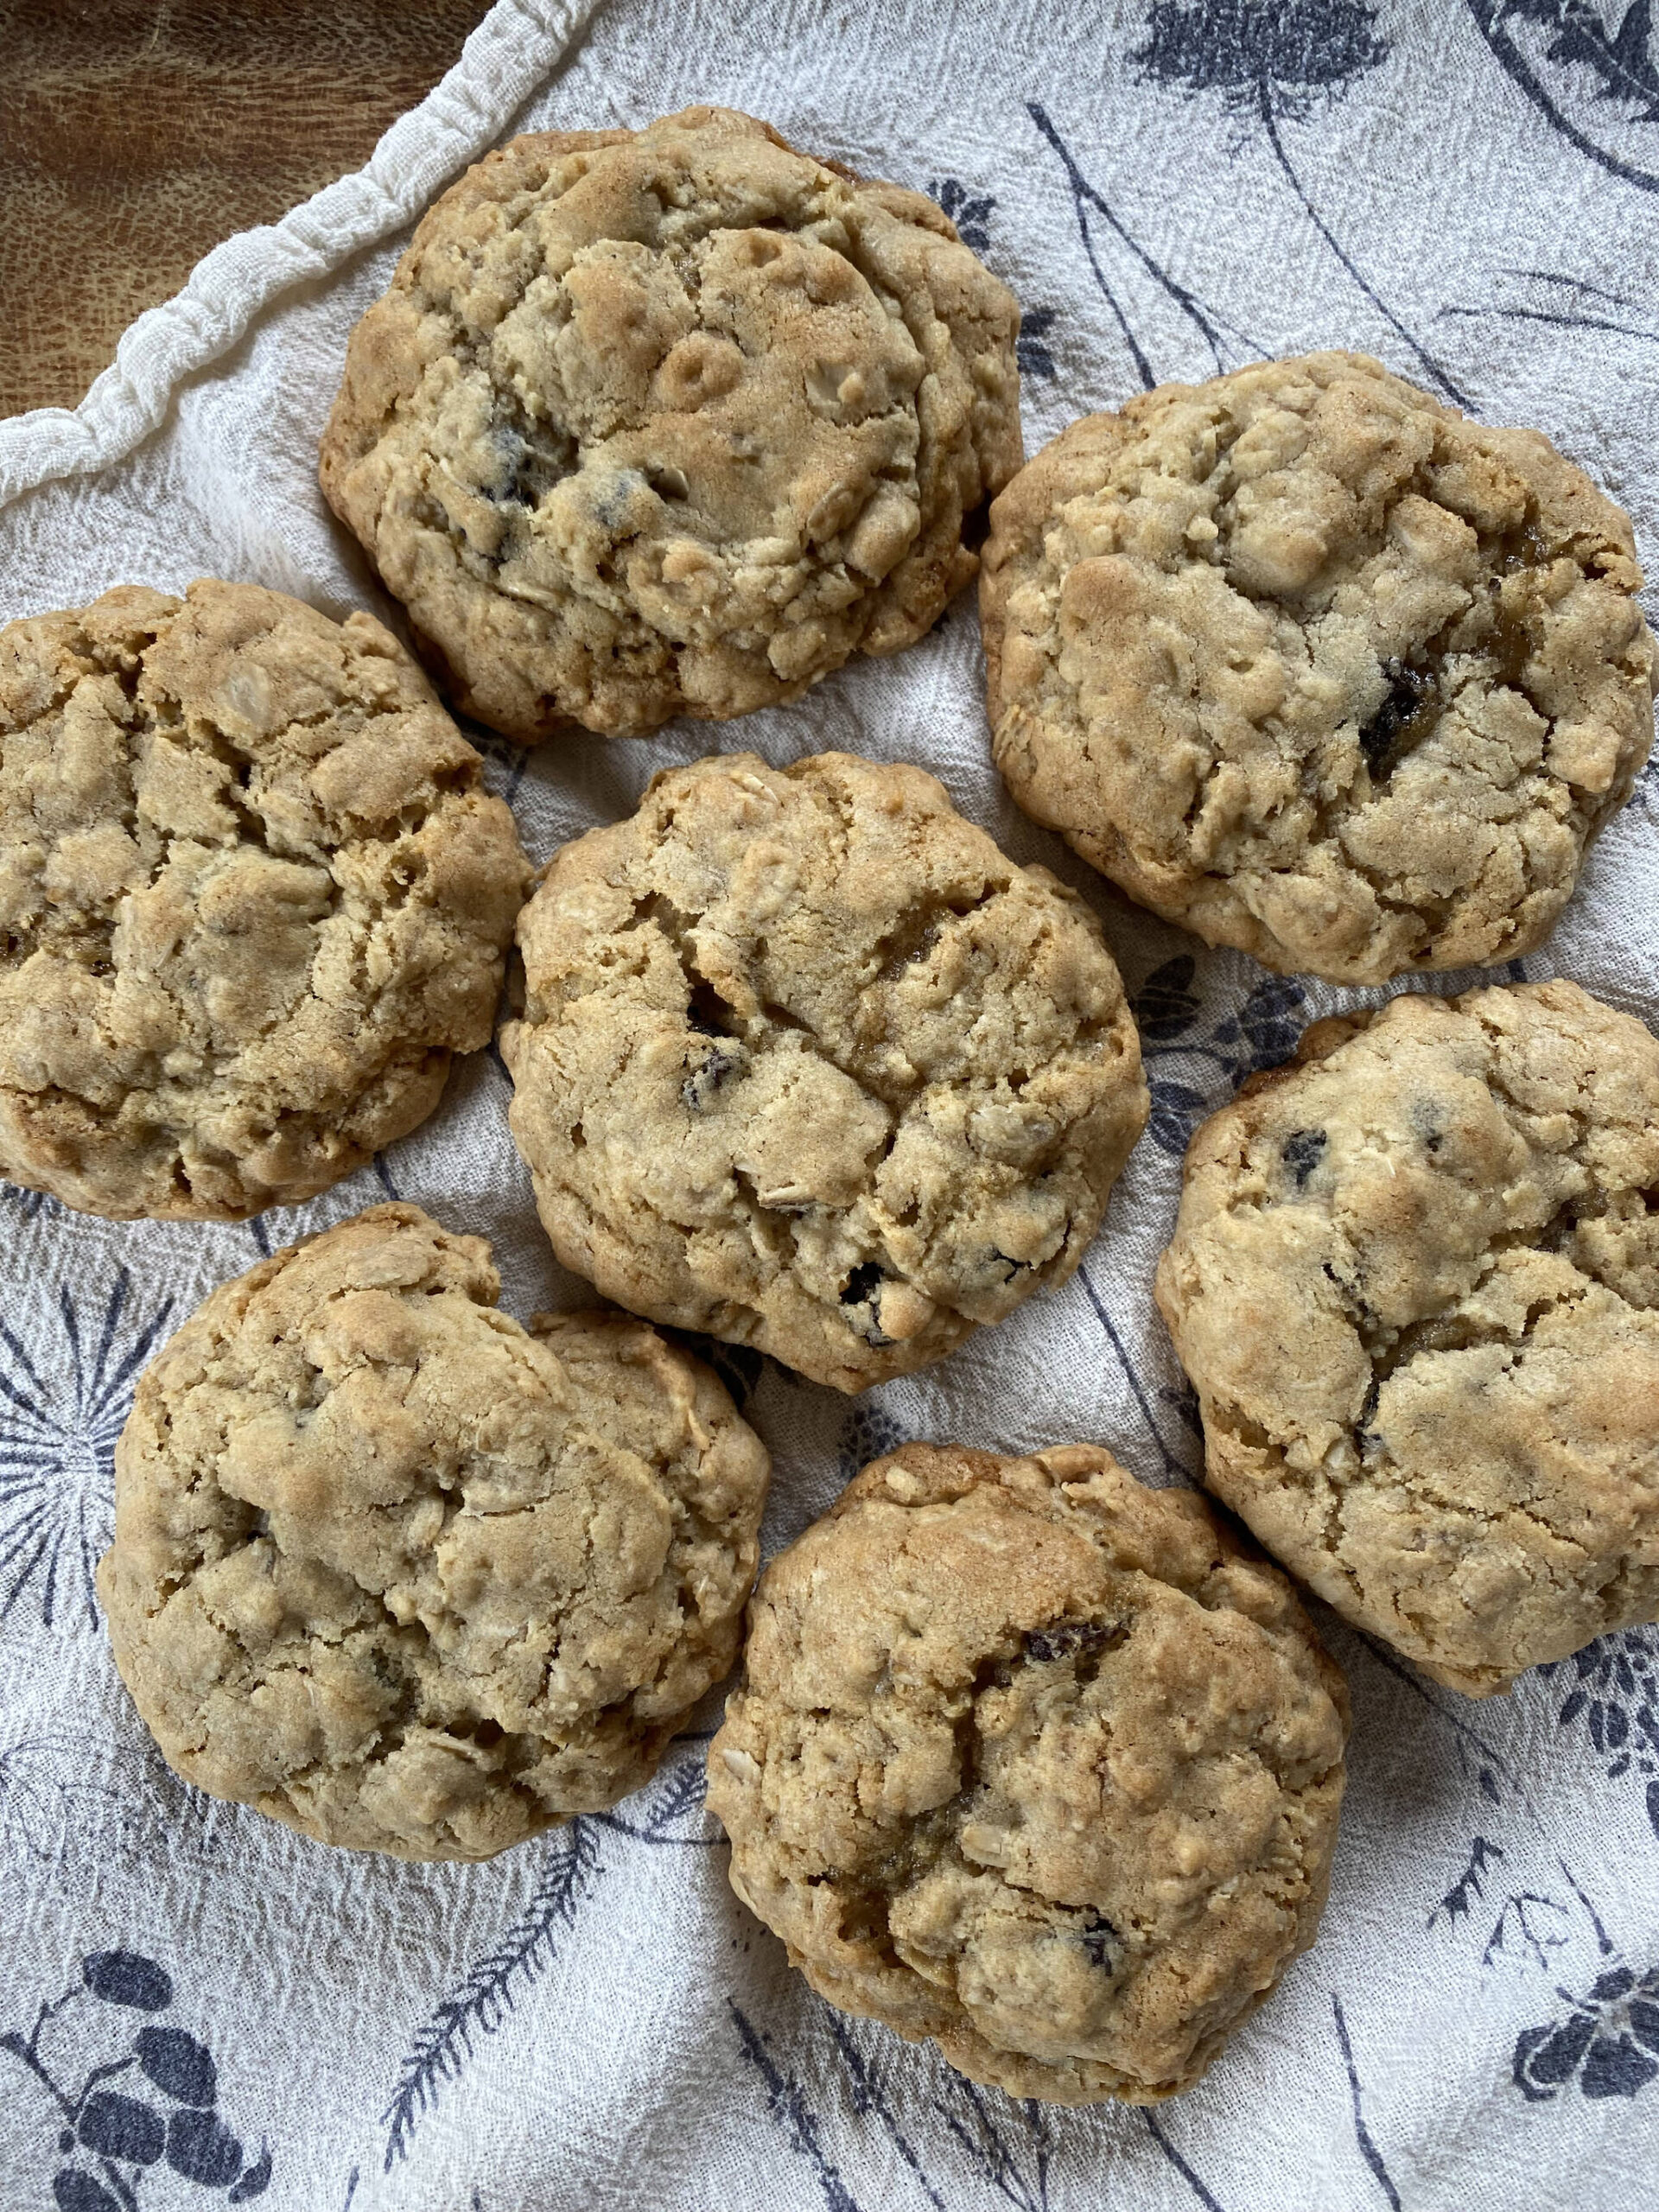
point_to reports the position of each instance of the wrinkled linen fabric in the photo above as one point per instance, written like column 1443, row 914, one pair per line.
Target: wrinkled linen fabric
column 1471, row 190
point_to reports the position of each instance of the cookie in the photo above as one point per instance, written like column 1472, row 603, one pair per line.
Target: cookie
column 807, row 1063
column 1415, row 1283
column 407, row 1576
column 671, row 421
column 1310, row 664
column 253, row 898
column 1037, row 1762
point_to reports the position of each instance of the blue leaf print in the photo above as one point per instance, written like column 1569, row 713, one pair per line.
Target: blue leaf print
column 1016, row 2167
column 1261, row 1034
column 670, row 1811
column 1368, row 2149
column 108, row 2138
column 1008, row 2144
column 1275, row 62
column 971, row 212
column 1615, row 1698
column 29, row 1205
column 869, row 2094
column 1620, row 60
column 1467, row 1889
column 484, row 1998
column 1031, row 348
column 1609, row 2039
column 1176, row 1110
column 1087, row 202
column 1528, row 1923
column 1166, row 1005
column 786, row 2102
column 59, row 1422
column 1209, row 2203
column 869, row 1432
column 1172, row 1463
column 1560, row 308
column 1616, row 63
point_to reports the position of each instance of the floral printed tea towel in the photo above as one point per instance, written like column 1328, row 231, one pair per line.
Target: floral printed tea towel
column 198, row 2008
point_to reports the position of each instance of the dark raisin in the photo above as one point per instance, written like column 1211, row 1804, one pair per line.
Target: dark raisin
column 1067, row 1640
column 1404, row 718
column 1101, row 1944
column 700, row 1086
column 1302, row 1152
column 528, row 470
column 862, row 1284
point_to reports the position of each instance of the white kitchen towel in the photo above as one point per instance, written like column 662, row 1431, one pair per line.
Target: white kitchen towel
column 1469, row 189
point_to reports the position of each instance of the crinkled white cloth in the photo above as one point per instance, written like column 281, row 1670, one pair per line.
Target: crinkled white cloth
column 1470, row 189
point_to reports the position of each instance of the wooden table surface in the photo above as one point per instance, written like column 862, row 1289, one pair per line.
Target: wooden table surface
column 136, row 134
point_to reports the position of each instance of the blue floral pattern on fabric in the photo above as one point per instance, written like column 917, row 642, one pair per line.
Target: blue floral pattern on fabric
column 1259, row 1034
column 1589, row 72
column 668, row 1813
column 1615, row 1699
column 1275, row 62
column 1609, row 2040
column 971, row 212
column 59, row 1417
column 165, row 2114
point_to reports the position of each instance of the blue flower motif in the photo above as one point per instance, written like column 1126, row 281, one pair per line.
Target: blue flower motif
column 108, row 2140
column 1582, row 72
column 1620, row 59
column 971, row 214
column 1262, row 1033
column 1615, row 1700
column 869, row 1432
column 1274, row 64
column 1297, row 50
column 1609, row 2039
column 59, row 1422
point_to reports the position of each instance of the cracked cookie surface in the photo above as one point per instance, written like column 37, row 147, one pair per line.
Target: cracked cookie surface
column 1415, row 1283
column 1310, row 664
column 671, row 421
column 411, row 1577
column 253, row 898
column 806, row 1063
column 1035, row 1762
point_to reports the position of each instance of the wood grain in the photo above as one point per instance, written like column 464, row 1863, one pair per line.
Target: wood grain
column 136, row 134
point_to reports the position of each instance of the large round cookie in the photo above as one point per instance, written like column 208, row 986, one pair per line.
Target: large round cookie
column 1035, row 1762
column 408, row 1577
column 1316, row 666
column 671, row 421
column 1415, row 1282
column 253, row 898
column 806, row 1063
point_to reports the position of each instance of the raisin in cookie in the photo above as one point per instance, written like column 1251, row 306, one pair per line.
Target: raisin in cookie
column 1311, row 663
column 1415, row 1282
column 1035, row 1762
column 807, row 1063
column 253, row 898
column 407, row 1576
column 671, row 421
